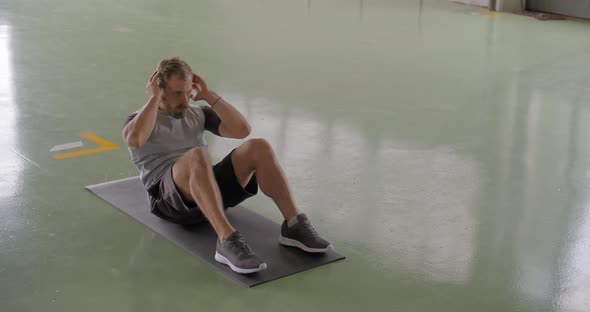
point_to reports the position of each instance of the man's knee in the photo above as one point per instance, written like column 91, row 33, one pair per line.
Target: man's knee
column 260, row 145
column 199, row 158
column 259, row 149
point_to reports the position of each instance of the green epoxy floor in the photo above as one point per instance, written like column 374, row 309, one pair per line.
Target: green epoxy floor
column 442, row 150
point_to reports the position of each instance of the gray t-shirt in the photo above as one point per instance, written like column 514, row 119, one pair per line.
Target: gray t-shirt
column 170, row 139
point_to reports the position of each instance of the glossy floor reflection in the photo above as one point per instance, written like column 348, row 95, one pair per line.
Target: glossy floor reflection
column 441, row 149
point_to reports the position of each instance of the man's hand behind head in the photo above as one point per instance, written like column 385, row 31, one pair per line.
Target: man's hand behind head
column 155, row 85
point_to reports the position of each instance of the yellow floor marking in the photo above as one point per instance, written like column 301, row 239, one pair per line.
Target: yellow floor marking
column 104, row 146
column 495, row 14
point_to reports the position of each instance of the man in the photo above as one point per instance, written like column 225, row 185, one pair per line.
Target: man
column 165, row 139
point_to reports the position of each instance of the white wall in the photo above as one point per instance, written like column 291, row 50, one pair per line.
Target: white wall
column 509, row 5
column 483, row 3
column 501, row 5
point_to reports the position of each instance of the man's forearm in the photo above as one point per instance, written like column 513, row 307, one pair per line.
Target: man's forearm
column 232, row 121
column 139, row 129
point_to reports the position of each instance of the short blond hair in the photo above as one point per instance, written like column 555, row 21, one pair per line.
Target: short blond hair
column 171, row 66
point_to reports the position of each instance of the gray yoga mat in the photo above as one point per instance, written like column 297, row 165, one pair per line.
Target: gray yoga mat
column 261, row 234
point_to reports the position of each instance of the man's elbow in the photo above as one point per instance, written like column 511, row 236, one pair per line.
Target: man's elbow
column 133, row 141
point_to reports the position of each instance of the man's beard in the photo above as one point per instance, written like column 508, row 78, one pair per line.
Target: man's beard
column 177, row 114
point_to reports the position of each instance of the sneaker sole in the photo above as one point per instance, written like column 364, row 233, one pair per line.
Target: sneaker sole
column 293, row 243
column 221, row 259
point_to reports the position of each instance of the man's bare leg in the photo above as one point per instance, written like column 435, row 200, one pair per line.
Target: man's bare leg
column 256, row 155
column 194, row 178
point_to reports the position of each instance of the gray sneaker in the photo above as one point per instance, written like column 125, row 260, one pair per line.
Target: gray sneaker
column 302, row 235
column 235, row 253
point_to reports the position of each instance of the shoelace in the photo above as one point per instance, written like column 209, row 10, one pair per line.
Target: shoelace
column 241, row 246
column 307, row 225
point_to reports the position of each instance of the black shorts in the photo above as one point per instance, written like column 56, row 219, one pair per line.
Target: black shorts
column 168, row 204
